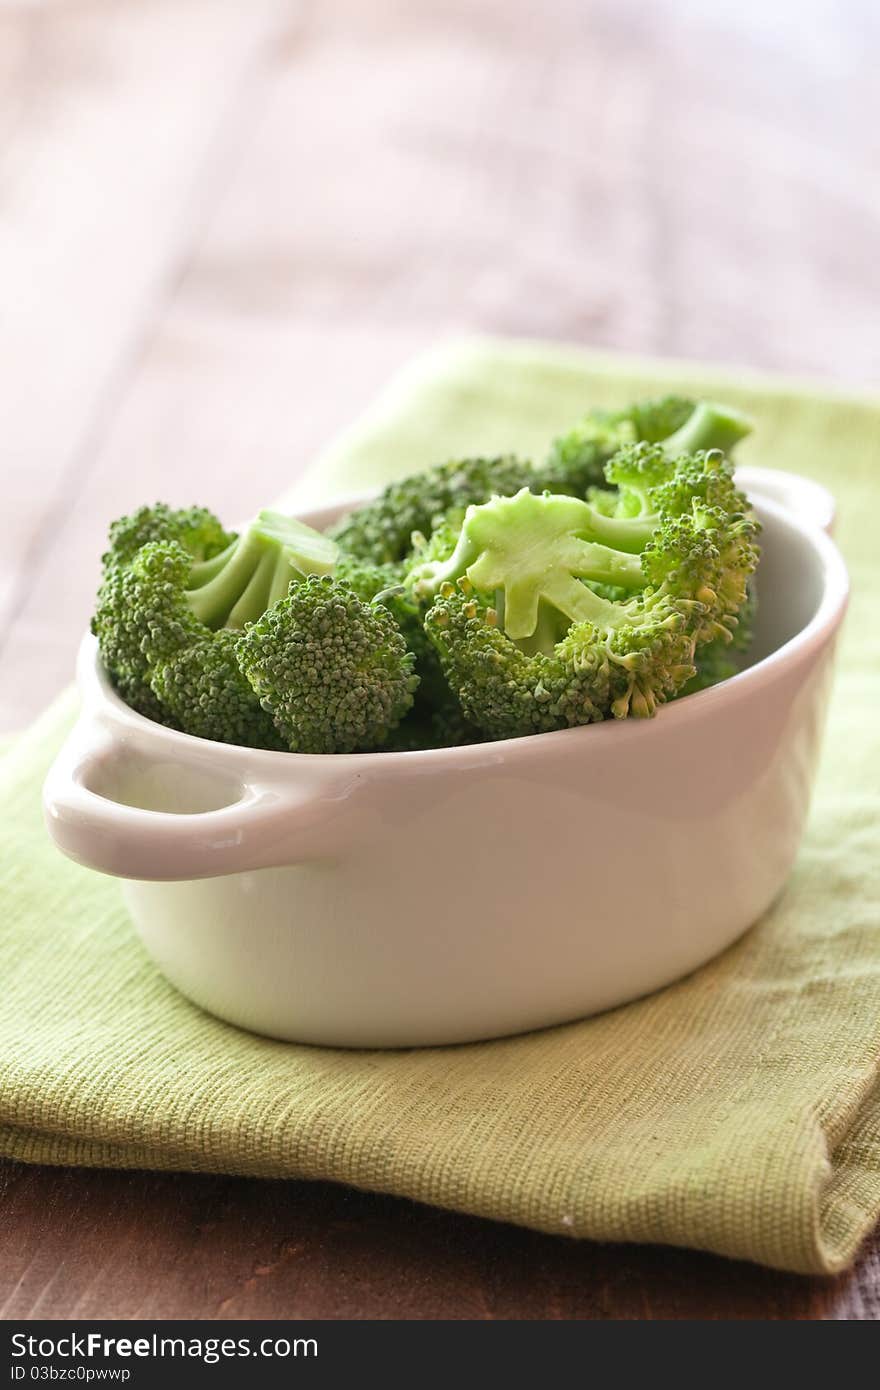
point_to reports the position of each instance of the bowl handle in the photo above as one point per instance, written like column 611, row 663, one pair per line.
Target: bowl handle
column 264, row 826
column 809, row 501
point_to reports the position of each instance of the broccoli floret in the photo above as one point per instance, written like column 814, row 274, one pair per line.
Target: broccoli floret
column 533, row 551
column 195, row 528
column 141, row 619
column 577, row 460
column 592, row 674
column 206, row 694
column 381, row 532
column 545, row 609
column 384, row 584
column 332, row 670
column 568, row 615
column 525, row 551
column 159, row 604
column 721, row 658
column 368, row 579
column 237, row 585
column 647, row 486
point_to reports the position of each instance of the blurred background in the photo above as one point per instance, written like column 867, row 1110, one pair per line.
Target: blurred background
column 225, row 223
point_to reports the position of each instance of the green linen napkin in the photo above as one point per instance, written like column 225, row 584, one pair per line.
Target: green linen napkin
column 737, row 1111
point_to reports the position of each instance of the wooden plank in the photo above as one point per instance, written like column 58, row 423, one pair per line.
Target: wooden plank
column 114, row 123
column 150, row 1245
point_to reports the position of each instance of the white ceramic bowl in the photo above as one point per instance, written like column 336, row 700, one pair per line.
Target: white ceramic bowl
column 401, row 899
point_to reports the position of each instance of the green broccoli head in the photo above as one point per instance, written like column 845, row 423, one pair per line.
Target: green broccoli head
column 503, row 691
column 141, row 618
column 652, row 481
column 577, row 460
column 547, row 561
column 332, row 670
column 160, row 602
column 204, row 691
column 384, row 584
column 577, row 615
column 636, row 471
column 532, row 551
column 546, row 610
column 195, row 528
column 381, row 531
column 708, row 557
column 595, row 672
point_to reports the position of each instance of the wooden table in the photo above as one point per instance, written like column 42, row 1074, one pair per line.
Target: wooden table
column 222, row 225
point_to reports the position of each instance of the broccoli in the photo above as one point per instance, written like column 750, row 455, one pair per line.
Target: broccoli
column 384, row 584
column 160, row 601
column 141, row 619
column 167, row 664
column 526, row 640
column 593, row 673
column 195, row 528
column 647, row 486
column 483, row 598
column 204, row 691
column 720, row 659
column 381, row 532
column 231, row 579
column 535, row 550
column 332, row 670
column 577, row 459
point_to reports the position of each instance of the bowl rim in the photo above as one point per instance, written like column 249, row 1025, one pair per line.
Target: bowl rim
column 96, row 687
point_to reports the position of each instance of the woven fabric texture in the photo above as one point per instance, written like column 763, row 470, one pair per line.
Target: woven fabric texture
column 737, row 1111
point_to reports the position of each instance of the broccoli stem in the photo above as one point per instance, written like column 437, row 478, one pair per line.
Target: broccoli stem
column 282, row 573
column 234, row 589
column 203, row 570
column 607, row 547
column 708, row 426
column 629, row 534
column 237, row 586
column 550, row 629
column 255, row 599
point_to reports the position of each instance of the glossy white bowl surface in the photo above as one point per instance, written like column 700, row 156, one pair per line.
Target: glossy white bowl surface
column 400, row 899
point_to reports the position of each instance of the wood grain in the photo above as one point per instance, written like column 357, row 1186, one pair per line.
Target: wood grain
column 130, row 1245
column 112, row 118
column 221, row 227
